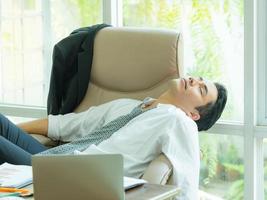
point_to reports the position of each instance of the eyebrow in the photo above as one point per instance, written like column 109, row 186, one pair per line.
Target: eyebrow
column 205, row 86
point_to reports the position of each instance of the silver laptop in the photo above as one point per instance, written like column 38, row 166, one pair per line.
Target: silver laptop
column 79, row 177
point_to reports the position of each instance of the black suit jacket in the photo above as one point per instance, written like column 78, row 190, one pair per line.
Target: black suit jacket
column 70, row 75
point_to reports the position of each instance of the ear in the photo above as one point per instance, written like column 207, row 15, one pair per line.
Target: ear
column 193, row 115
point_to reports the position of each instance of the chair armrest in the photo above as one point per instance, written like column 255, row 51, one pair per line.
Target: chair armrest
column 44, row 140
column 158, row 171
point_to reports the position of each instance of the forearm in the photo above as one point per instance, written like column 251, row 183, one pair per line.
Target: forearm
column 39, row 126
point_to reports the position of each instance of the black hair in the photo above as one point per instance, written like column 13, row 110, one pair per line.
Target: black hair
column 212, row 111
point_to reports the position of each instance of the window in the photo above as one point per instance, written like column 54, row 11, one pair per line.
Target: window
column 222, row 166
column 68, row 15
column 213, row 37
column 29, row 29
column 21, row 53
column 224, row 40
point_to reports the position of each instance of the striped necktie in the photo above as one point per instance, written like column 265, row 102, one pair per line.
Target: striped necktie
column 98, row 135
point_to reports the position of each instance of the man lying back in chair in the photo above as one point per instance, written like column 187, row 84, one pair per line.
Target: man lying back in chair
column 140, row 131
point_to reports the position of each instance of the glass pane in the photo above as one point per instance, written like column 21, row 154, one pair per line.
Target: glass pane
column 20, row 7
column 221, row 168
column 21, row 57
column 32, row 25
column 12, row 80
column 265, row 167
column 31, row 6
column 19, row 84
column 21, row 53
column 11, row 35
column 22, row 38
column 68, row 15
column 11, row 8
column 213, row 39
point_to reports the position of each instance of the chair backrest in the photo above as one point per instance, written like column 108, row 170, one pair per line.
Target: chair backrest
column 135, row 63
column 132, row 63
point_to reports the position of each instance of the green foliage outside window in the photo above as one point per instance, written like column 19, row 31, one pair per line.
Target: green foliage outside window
column 208, row 24
column 152, row 13
column 207, row 47
column 89, row 11
column 221, row 162
column 29, row 4
column 201, row 21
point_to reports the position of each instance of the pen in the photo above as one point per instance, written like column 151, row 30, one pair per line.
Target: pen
column 22, row 191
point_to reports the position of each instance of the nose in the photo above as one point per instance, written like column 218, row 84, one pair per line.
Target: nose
column 193, row 81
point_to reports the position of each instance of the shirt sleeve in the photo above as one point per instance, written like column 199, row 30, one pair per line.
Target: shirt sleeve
column 69, row 126
column 182, row 149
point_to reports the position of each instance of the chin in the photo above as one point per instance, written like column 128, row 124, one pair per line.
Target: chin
column 174, row 82
column 174, row 86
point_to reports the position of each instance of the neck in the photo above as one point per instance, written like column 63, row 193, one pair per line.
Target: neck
column 169, row 98
column 166, row 98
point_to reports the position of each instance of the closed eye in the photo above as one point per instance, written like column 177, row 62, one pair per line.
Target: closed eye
column 204, row 85
column 201, row 91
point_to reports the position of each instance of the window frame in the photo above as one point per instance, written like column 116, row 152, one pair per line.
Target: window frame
column 249, row 142
column 260, row 120
column 261, row 61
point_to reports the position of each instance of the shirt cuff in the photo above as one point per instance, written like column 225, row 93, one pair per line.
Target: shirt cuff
column 53, row 127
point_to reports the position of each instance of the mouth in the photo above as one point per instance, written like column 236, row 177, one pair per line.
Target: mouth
column 185, row 83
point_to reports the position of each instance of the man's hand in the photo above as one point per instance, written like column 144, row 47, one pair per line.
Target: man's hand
column 39, row 126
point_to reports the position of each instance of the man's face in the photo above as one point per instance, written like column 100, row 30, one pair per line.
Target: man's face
column 190, row 93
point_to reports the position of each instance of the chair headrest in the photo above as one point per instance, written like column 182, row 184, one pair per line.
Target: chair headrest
column 132, row 63
column 133, row 59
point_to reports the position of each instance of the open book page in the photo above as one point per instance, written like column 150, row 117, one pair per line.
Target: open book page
column 16, row 176
column 129, row 183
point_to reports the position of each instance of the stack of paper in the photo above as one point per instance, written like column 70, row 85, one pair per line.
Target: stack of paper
column 16, row 176
column 129, row 182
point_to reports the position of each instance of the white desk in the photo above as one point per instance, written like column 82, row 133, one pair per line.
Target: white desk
column 145, row 192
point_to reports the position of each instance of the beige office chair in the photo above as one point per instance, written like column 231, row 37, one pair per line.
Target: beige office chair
column 134, row 63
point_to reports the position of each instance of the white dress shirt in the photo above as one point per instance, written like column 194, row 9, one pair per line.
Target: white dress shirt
column 164, row 129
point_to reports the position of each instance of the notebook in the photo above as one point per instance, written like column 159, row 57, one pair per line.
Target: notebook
column 16, row 176
column 80, row 177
